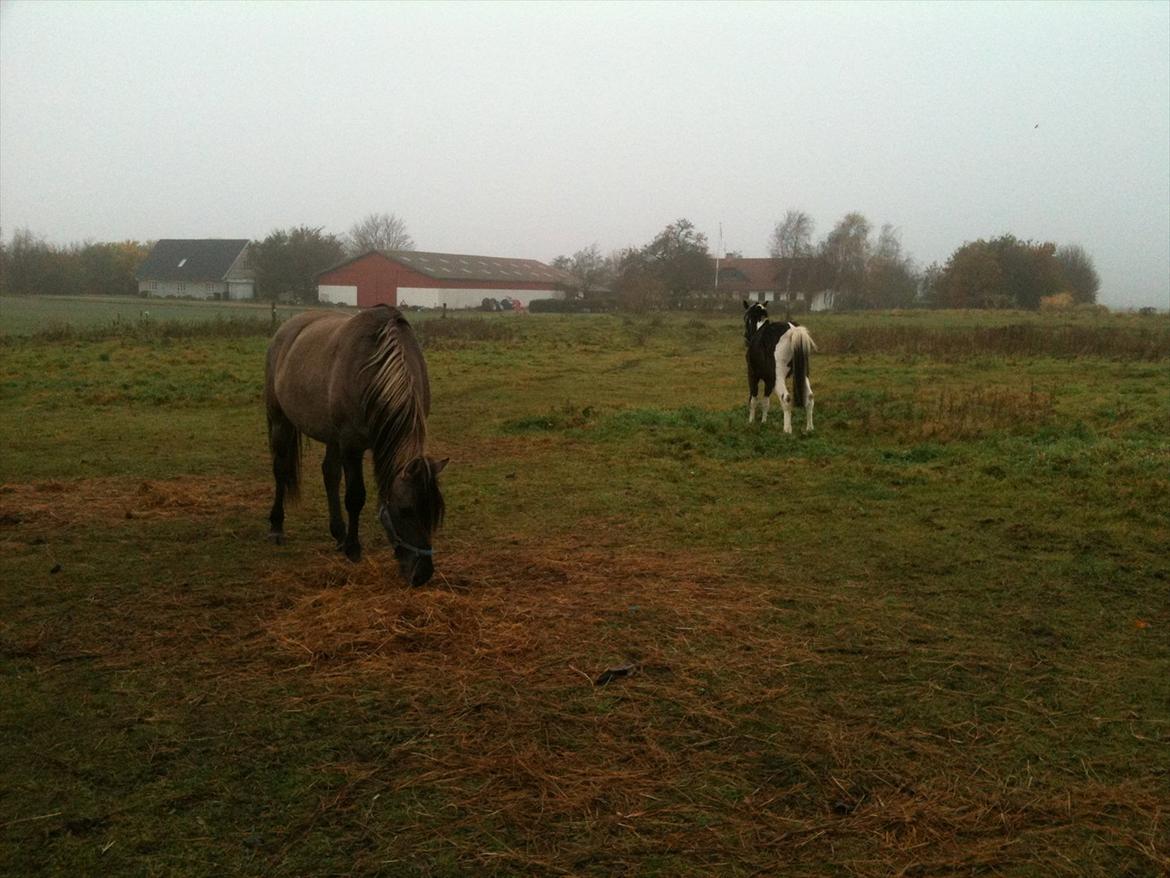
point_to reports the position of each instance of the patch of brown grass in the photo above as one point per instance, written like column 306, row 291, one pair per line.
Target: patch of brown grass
column 104, row 499
column 714, row 751
column 953, row 413
column 1016, row 340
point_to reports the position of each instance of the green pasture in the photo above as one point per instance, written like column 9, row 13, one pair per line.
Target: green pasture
column 930, row 638
column 28, row 315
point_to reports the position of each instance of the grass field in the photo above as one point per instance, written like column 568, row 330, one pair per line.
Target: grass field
column 932, row 638
column 30, row 315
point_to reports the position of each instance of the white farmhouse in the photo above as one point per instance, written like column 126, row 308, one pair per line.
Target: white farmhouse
column 201, row 268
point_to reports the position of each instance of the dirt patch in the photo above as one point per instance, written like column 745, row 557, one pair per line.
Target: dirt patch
column 89, row 500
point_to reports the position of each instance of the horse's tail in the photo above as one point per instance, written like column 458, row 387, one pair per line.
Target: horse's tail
column 802, row 348
column 284, row 441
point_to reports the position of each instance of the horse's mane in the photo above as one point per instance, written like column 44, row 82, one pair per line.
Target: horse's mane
column 393, row 404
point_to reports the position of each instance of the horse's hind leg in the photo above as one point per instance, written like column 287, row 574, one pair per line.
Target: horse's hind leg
column 355, row 499
column 276, row 516
column 808, row 406
column 331, row 470
column 767, row 403
column 285, row 445
column 786, row 402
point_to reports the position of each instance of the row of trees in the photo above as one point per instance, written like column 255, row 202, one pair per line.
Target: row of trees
column 286, row 262
column 1006, row 272
column 674, row 269
column 29, row 264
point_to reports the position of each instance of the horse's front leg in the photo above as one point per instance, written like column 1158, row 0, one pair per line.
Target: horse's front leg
column 808, row 406
column 331, row 470
column 355, row 499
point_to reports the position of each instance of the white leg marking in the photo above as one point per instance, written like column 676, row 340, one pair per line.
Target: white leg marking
column 808, row 402
column 751, row 409
column 786, row 401
column 767, row 404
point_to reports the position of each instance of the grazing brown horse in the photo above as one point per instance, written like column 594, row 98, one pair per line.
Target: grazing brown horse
column 357, row 382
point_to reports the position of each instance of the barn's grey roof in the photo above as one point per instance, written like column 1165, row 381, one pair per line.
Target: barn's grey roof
column 457, row 266
column 191, row 259
column 460, row 266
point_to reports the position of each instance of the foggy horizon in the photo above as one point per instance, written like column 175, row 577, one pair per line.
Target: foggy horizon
column 536, row 130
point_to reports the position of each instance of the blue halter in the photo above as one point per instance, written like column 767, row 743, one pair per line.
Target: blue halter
column 388, row 523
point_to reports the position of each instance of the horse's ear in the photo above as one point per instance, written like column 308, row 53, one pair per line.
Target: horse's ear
column 745, row 304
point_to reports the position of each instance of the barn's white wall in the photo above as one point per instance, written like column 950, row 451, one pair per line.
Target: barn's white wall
column 436, row 297
column 337, row 294
column 241, row 289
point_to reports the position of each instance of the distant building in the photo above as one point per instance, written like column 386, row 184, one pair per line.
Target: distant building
column 790, row 279
column 201, row 268
column 432, row 280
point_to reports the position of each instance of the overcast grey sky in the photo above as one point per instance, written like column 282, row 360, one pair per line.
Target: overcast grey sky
column 533, row 130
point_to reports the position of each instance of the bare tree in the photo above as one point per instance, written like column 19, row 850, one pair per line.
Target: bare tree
column 889, row 244
column 378, row 231
column 890, row 278
column 791, row 239
column 792, row 236
column 846, row 249
column 589, row 266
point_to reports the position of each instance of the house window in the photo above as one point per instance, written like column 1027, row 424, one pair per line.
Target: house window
column 182, row 288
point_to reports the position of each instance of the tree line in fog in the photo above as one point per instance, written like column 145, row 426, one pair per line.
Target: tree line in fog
column 864, row 267
column 676, row 269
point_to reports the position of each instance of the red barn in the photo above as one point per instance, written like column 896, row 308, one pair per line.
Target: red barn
column 431, row 280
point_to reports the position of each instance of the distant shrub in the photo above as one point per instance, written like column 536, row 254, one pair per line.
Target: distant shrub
column 569, row 306
column 457, row 331
column 1019, row 340
column 551, row 306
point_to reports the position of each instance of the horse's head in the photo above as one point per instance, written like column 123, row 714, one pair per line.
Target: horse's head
column 411, row 514
column 754, row 316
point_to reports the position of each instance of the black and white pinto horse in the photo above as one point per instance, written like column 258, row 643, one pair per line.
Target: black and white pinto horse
column 775, row 351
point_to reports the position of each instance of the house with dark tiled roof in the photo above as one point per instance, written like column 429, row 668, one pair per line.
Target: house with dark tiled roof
column 807, row 280
column 200, row 268
column 433, row 280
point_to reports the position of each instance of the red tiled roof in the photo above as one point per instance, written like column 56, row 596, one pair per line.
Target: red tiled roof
column 740, row 275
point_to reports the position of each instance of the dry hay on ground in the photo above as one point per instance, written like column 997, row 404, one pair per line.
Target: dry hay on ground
column 715, row 750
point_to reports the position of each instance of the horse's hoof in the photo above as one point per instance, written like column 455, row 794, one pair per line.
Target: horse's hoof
column 353, row 553
column 276, row 538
